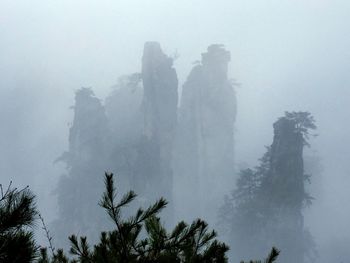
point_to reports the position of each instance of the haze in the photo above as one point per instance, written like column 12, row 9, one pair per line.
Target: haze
column 286, row 55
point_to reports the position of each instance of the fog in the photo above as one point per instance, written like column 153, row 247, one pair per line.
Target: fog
column 285, row 56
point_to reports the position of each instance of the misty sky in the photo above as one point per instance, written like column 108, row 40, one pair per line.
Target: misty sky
column 286, row 54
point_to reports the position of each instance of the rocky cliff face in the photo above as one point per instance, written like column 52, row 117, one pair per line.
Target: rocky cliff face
column 284, row 187
column 204, row 158
column 287, row 166
column 131, row 135
column 138, row 136
column 79, row 191
column 154, row 174
column 125, row 118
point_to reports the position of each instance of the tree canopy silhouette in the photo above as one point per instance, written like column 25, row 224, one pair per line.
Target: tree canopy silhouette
column 17, row 216
column 138, row 238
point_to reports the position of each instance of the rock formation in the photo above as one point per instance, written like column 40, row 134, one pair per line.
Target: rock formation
column 154, row 174
column 123, row 109
column 284, row 194
column 204, row 157
column 79, row 191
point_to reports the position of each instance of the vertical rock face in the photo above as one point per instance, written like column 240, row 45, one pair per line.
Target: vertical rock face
column 159, row 109
column 287, row 166
column 204, row 154
column 160, row 92
column 285, row 184
column 123, row 109
column 132, row 136
column 79, row 191
column 86, row 136
column 267, row 204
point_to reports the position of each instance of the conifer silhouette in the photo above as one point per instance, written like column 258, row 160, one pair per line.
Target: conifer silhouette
column 17, row 216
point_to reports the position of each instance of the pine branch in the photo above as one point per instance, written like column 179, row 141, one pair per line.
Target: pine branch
column 47, row 234
column 272, row 256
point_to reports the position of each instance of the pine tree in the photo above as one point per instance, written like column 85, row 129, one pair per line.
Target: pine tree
column 139, row 238
column 265, row 209
column 17, row 216
column 142, row 237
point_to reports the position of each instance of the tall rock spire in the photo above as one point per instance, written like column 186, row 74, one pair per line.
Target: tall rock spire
column 284, row 193
column 79, row 190
column 205, row 154
column 266, row 207
column 154, row 174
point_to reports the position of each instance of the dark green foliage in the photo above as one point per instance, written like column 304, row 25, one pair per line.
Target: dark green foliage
column 17, row 215
column 58, row 257
column 303, row 122
column 265, row 209
column 272, row 256
column 142, row 237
